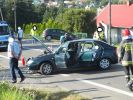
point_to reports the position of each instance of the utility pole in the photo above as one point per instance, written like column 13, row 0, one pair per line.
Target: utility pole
column 1, row 14
column 15, row 18
column 1, row 6
column 109, row 35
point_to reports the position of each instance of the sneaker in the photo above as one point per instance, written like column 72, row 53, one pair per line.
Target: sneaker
column 22, row 79
column 13, row 81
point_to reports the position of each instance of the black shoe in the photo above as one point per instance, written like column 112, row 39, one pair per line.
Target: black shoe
column 13, row 81
column 22, row 79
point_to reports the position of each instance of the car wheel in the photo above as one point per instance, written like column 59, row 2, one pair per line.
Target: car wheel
column 46, row 68
column 104, row 63
column 48, row 38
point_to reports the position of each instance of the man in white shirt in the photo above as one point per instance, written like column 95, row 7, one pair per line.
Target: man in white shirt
column 20, row 35
column 14, row 53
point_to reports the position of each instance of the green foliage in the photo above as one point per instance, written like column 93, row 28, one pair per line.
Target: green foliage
column 8, row 92
column 50, row 13
column 12, row 93
column 40, row 27
column 77, row 20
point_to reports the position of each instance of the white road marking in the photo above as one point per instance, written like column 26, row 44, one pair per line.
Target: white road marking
column 96, row 84
column 103, row 86
column 33, row 49
column 107, row 87
column 8, row 58
column 4, row 56
column 66, row 75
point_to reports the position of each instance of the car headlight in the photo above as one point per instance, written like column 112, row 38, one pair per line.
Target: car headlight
column 30, row 62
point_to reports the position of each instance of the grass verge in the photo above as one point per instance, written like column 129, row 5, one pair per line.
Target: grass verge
column 10, row 92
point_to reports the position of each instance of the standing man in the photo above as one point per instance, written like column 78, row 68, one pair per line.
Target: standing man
column 14, row 53
column 65, row 38
column 33, row 32
column 20, row 35
column 126, row 55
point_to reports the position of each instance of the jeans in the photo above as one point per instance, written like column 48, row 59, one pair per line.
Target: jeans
column 13, row 62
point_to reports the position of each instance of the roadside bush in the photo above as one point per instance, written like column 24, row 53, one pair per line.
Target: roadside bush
column 12, row 93
column 9, row 92
column 40, row 27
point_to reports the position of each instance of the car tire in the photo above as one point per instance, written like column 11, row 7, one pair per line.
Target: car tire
column 48, row 38
column 104, row 64
column 46, row 68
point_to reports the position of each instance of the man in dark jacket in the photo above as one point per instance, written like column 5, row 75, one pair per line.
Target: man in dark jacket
column 126, row 54
column 65, row 38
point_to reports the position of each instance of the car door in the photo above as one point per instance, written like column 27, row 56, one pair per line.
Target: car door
column 88, row 54
column 60, row 56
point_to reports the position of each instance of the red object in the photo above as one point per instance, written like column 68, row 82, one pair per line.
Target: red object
column 126, row 32
column 23, row 61
column 121, row 15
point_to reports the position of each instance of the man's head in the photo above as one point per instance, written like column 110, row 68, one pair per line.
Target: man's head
column 99, row 29
column 19, row 28
column 126, row 32
column 10, row 39
column 34, row 27
column 66, row 34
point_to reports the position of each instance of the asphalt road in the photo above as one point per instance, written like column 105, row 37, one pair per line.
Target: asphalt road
column 95, row 84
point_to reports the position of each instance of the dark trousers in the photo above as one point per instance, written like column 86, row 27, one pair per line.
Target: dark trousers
column 14, row 66
column 128, row 71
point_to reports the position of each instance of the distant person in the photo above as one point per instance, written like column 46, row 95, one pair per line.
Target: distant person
column 33, row 32
column 65, row 38
column 12, row 34
column 101, row 34
column 20, row 35
column 61, row 39
column 14, row 53
column 125, row 55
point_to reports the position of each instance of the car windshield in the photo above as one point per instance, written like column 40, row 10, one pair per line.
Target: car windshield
column 65, row 45
column 4, row 30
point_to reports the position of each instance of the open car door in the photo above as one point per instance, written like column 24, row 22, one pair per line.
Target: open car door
column 88, row 54
column 60, row 56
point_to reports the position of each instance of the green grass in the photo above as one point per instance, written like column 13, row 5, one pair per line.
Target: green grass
column 10, row 92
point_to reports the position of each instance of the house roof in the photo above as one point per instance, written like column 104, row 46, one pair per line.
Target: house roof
column 121, row 15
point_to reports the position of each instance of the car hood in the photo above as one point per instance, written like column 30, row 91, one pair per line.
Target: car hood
column 47, row 49
column 41, row 58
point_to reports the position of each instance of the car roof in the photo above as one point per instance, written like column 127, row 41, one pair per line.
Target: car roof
column 92, row 40
column 54, row 29
column 83, row 40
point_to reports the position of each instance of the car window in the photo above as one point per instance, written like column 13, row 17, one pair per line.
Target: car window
column 62, row 32
column 89, row 46
column 62, row 48
column 54, row 31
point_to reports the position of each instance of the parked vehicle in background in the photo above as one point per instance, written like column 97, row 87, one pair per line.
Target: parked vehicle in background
column 75, row 54
column 51, row 33
column 4, row 34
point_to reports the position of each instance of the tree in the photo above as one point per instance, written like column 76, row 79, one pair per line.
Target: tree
column 50, row 12
column 77, row 20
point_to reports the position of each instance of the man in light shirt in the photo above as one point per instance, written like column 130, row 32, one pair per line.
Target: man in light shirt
column 14, row 53
column 20, row 35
